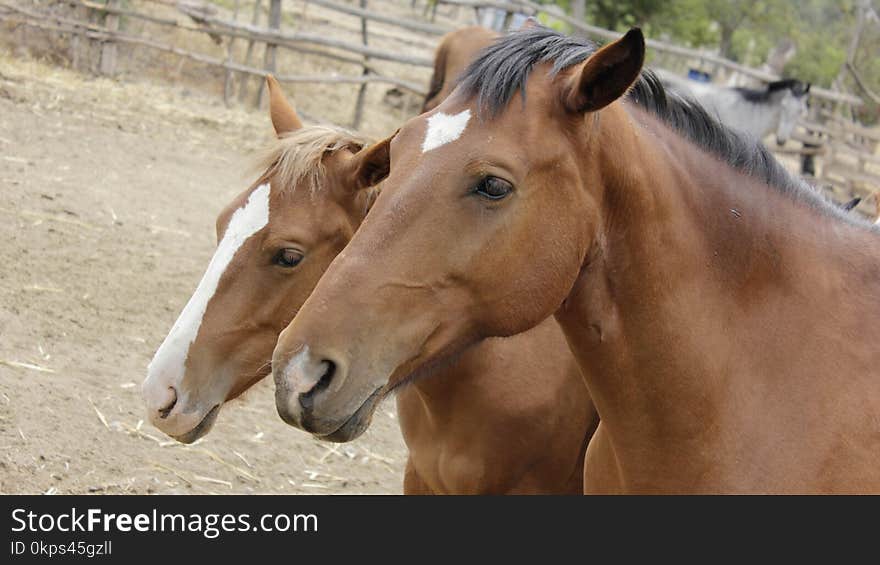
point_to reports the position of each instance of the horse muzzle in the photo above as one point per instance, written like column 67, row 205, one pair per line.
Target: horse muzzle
column 310, row 395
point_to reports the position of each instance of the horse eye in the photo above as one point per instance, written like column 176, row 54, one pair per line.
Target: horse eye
column 287, row 258
column 493, row 188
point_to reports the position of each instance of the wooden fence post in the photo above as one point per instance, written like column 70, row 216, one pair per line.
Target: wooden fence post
column 227, row 83
column 243, row 77
column 579, row 10
column 271, row 48
column 78, row 42
column 109, row 48
column 91, row 27
column 508, row 18
column 362, row 91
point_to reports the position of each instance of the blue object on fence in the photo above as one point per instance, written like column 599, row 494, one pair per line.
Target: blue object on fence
column 699, row 76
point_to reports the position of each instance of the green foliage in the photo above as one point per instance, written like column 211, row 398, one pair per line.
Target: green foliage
column 748, row 30
column 821, row 30
column 623, row 14
column 816, row 61
column 687, row 22
column 553, row 23
column 750, row 48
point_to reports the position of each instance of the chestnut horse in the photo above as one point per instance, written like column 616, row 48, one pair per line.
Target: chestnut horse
column 724, row 315
column 468, row 431
column 454, row 53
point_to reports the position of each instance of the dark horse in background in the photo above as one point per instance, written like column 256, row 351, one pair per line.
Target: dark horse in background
column 456, row 50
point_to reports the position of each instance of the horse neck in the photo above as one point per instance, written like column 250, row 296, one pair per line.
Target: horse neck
column 697, row 278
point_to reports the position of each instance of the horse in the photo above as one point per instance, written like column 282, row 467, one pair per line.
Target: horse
column 757, row 112
column 454, row 53
column 467, row 431
column 723, row 313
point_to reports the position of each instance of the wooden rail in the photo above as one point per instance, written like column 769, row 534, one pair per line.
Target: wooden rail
column 371, row 15
column 828, row 141
column 93, row 31
column 531, row 8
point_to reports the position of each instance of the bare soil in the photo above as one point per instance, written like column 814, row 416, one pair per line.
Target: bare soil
column 108, row 195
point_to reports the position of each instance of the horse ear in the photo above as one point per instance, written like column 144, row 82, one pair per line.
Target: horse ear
column 607, row 74
column 372, row 165
column 284, row 118
column 531, row 22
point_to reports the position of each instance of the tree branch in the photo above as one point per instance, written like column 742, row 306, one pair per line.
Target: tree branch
column 861, row 83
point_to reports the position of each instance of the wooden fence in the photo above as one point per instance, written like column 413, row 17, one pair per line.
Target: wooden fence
column 204, row 21
column 201, row 18
column 846, row 152
column 848, row 163
column 705, row 58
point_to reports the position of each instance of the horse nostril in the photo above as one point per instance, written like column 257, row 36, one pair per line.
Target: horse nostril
column 164, row 412
column 307, row 399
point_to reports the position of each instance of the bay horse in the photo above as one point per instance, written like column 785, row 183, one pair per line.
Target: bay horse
column 776, row 108
column 454, row 53
column 468, row 431
column 724, row 315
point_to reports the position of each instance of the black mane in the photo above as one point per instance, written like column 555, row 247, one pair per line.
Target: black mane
column 759, row 96
column 753, row 95
column 501, row 70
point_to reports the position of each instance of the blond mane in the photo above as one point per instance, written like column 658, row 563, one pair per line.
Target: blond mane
column 298, row 156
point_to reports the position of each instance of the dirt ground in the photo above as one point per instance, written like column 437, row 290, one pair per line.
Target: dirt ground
column 108, row 195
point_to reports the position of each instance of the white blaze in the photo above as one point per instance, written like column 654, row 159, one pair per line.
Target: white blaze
column 444, row 128
column 171, row 357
